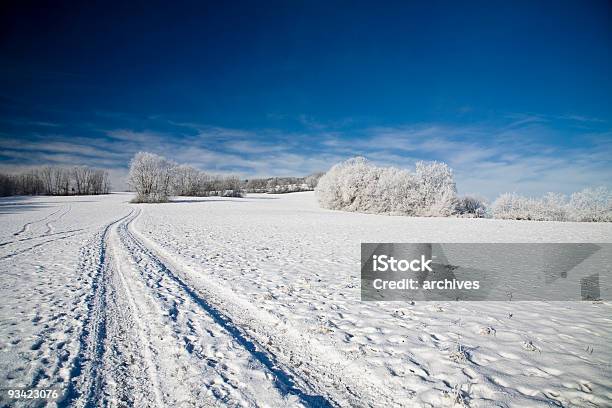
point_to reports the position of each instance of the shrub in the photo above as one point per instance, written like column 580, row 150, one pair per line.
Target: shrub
column 312, row 180
column 436, row 188
column 551, row 207
column 357, row 185
column 590, row 204
column 516, row 207
column 508, row 207
column 471, row 206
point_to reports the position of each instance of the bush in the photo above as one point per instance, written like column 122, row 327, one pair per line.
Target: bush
column 470, row 206
column 436, row 189
column 357, row 185
column 516, row 207
column 312, row 180
column 591, row 204
column 509, row 207
column 232, row 187
column 552, row 207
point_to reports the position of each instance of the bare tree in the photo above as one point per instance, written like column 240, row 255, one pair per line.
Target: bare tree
column 8, row 185
column 46, row 176
column 60, row 181
column 56, row 180
column 81, row 177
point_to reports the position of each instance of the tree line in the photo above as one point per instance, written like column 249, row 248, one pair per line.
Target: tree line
column 358, row 185
column 280, row 185
column 588, row 205
column 155, row 178
column 56, row 180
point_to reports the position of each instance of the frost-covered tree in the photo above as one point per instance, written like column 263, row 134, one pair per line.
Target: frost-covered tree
column 551, row 207
column 57, row 180
column 232, row 187
column 189, row 181
column 436, row 188
column 150, row 177
column 256, row 185
column 338, row 188
column 357, row 185
column 280, row 185
column 591, row 204
column 186, row 180
column 511, row 206
column 312, row 180
column 271, row 185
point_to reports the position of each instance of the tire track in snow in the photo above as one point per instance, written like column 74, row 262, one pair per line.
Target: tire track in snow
column 39, row 236
column 167, row 375
column 49, row 232
column 348, row 381
column 27, row 225
column 49, row 224
column 122, row 359
column 28, row 249
column 286, row 382
column 129, row 374
column 84, row 376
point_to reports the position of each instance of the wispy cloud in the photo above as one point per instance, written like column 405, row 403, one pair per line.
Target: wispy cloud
column 27, row 122
column 515, row 154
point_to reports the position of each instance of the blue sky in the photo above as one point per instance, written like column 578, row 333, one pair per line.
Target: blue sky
column 515, row 96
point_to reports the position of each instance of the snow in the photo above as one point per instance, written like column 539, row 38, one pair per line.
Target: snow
column 255, row 302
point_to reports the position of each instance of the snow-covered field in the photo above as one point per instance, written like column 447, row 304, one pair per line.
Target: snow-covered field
column 255, row 302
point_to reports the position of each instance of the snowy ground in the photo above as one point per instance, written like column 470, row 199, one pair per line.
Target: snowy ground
column 255, row 302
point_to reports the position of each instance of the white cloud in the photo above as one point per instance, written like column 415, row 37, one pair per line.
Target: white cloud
column 487, row 159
